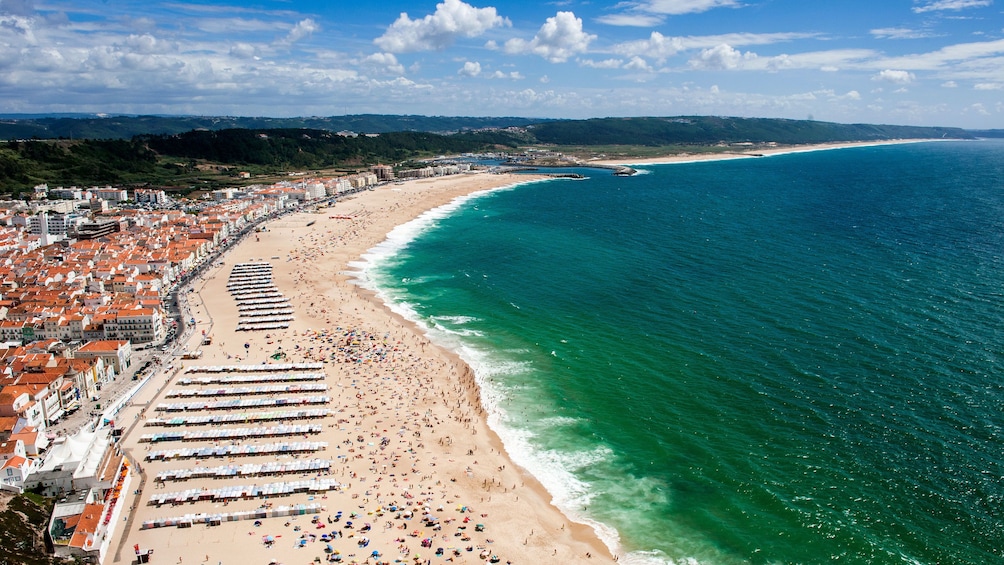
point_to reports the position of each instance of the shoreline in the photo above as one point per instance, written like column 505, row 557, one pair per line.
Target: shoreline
column 419, row 402
column 758, row 153
column 315, row 258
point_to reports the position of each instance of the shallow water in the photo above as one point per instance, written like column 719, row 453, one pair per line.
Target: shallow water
column 791, row 359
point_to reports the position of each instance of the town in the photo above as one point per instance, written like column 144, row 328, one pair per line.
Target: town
column 92, row 308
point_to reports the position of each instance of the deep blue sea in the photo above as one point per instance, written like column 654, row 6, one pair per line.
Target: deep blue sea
column 787, row 359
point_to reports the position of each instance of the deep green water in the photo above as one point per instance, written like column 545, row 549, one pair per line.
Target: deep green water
column 794, row 359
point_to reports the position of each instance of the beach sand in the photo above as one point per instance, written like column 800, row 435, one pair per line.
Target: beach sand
column 739, row 153
column 405, row 429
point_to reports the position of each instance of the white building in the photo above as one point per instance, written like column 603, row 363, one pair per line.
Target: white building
column 15, row 466
column 48, row 223
column 110, row 194
column 150, row 196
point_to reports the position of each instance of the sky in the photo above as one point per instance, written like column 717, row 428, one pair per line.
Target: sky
column 910, row 62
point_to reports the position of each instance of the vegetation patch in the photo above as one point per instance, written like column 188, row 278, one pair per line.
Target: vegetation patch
column 22, row 524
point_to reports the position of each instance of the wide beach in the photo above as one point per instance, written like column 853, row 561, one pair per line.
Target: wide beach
column 405, row 435
column 404, row 427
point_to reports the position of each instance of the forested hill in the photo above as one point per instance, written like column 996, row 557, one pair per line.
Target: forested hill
column 312, row 149
column 126, row 127
column 703, row 130
column 699, row 130
column 178, row 159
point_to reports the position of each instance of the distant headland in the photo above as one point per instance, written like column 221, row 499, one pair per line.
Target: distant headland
column 193, row 153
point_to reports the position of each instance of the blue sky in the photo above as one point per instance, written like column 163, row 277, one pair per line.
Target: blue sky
column 922, row 62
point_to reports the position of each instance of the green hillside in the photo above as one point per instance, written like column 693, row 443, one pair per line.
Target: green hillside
column 126, row 127
column 314, row 149
column 207, row 158
column 704, row 130
column 182, row 160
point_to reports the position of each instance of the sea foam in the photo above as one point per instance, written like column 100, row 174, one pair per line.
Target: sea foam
column 553, row 468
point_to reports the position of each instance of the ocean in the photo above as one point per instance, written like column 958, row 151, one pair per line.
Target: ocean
column 785, row 359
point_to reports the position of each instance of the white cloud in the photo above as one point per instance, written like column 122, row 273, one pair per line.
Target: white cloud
column 605, row 64
column 742, row 39
column 384, row 61
column 533, row 99
column 630, row 20
column 979, row 109
column 895, row 76
column 680, row 7
column 899, row 33
column 988, row 86
column 826, row 61
column 954, row 5
column 243, row 50
column 949, row 84
column 637, row 64
column 950, row 58
column 48, row 59
column 649, row 13
column 302, row 29
column 851, row 95
column 722, row 57
column 559, row 38
column 473, row 69
column 224, row 26
column 470, row 69
column 145, row 43
column 436, row 31
column 657, row 47
column 20, row 25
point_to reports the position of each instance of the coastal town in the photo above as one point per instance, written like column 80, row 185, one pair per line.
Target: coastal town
column 118, row 384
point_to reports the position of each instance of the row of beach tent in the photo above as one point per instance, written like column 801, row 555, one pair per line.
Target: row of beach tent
column 215, row 519
column 245, row 379
column 268, row 368
column 237, row 450
column 252, row 266
column 239, row 418
column 257, row 326
column 264, row 300
column 249, row 390
column 268, row 292
column 239, row 403
column 246, row 470
column 250, row 282
column 235, row 492
column 250, row 285
column 251, row 315
column 233, row 433
column 250, row 309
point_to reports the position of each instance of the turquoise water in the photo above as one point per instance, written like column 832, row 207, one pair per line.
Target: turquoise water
column 793, row 359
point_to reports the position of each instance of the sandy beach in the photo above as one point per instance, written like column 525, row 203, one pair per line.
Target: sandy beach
column 403, row 465
column 420, row 477
column 752, row 153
